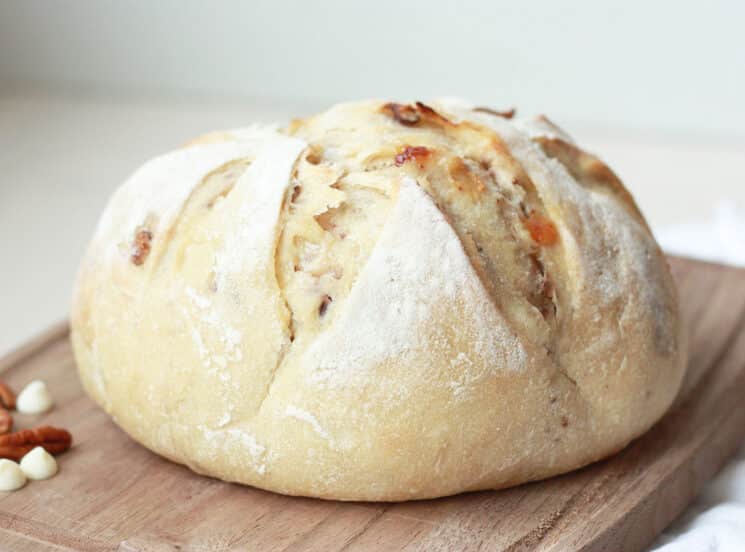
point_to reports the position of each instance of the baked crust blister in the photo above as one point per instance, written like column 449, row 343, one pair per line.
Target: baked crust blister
column 385, row 301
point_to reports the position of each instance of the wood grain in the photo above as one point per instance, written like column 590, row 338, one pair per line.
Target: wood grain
column 112, row 494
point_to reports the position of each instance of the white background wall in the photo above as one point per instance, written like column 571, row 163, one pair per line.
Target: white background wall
column 674, row 65
column 89, row 89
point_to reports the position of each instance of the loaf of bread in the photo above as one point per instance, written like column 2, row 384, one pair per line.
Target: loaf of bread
column 382, row 302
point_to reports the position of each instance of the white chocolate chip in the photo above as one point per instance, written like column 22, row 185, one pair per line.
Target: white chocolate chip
column 11, row 476
column 34, row 399
column 38, row 464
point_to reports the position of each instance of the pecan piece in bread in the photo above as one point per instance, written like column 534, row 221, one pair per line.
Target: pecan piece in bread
column 411, row 115
column 506, row 114
column 418, row 154
column 141, row 246
column 404, row 114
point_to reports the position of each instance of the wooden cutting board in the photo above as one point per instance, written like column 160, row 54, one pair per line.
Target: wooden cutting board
column 113, row 494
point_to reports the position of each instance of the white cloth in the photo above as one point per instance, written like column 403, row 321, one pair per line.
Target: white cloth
column 715, row 522
column 719, row 238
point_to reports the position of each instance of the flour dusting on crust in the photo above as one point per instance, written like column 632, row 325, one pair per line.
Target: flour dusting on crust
column 233, row 441
column 157, row 191
column 303, row 415
column 252, row 245
column 417, row 266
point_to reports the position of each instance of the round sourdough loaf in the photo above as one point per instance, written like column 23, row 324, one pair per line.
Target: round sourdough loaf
column 382, row 302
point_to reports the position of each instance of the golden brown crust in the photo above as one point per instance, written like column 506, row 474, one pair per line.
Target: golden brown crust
column 589, row 171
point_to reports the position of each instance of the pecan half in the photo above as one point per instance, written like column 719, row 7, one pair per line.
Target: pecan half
column 7, row 396
column 15, row 445
column 6, row 421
